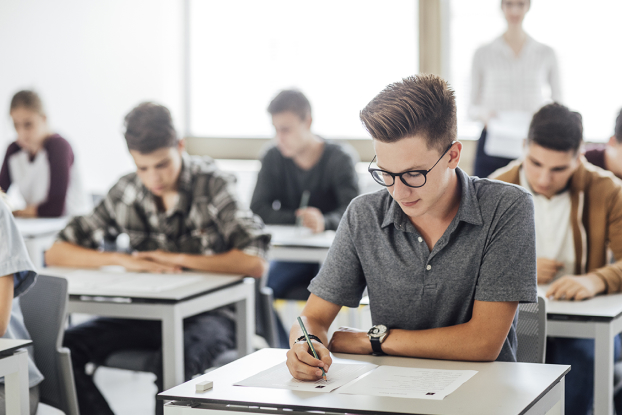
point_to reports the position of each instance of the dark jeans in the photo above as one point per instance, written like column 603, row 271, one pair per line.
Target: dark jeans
column 289, row 280
column 205, row 337
column 485, row 165
column 579, row 353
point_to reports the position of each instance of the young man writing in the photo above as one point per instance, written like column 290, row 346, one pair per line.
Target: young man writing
column 301, row 161
column 179, row 212
column 446, row 258
column 578, row 216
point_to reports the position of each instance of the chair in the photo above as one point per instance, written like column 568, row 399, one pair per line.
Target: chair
column 44, row 307
column 531, row 332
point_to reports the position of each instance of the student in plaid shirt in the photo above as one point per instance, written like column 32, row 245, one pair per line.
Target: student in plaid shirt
column 179, row 212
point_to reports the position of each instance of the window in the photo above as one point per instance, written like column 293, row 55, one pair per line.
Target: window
column 585, row 37
column 338, row 53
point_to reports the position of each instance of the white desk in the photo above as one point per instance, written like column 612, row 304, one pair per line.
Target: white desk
column 14, row 368
column 39, row 234
column 291, row 243
column 499, row 388
column 599, row 318
column 166, row 297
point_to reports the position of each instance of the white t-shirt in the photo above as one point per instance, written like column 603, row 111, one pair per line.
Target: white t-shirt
column 554, row 239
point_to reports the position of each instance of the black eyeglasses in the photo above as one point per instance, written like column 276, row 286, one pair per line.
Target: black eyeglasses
column 412, row 178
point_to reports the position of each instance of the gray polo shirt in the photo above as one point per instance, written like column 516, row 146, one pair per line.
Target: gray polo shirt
column 487, row 254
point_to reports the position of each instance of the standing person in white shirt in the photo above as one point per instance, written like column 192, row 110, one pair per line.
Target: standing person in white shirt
column 507, row 82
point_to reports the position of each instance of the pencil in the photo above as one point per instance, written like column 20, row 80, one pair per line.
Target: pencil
column 304, row 331
column 304, row 203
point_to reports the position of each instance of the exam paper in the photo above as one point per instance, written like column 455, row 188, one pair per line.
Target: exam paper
column 505, row 134
column 128, row 282
column 278, row 377
column 408, row 382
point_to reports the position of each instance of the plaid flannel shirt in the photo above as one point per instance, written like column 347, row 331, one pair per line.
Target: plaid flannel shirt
column 207, row 218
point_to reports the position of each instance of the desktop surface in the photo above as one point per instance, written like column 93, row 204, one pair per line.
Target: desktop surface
column 9, row 346
column 601, row 307
column 118, row 283
column 498, row 388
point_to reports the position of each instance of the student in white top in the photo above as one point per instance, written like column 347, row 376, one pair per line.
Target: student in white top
column 508, row 78
column 41, row 164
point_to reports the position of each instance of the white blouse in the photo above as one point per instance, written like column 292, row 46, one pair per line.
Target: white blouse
column 502, row 81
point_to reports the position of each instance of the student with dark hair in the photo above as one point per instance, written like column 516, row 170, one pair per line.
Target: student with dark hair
column 446, row 258
column 179, row 212
column 578, row 216
column 301, row 161
column 41, row 164
column 608, row 156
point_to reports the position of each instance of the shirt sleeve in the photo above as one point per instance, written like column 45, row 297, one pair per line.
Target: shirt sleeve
column 345, row 183
column 5, row 172
column 341, row 279
column 612, row 273
column 14, row 259
column 240, row 228
column 508, row 268
column 476, row 111
column 60, row 156
column 555, row 79
column 90, row 230
column 266, row 192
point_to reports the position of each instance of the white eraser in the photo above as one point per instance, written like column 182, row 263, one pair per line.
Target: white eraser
column 205, row 385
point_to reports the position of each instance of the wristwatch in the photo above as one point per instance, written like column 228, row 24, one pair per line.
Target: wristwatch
column 376, row 335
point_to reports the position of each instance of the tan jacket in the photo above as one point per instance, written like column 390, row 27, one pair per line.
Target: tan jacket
column 596, row 215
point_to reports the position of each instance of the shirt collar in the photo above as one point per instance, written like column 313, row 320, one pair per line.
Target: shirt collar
column 469, row 210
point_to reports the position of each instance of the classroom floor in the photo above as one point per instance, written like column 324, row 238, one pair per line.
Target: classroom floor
column 129, row 393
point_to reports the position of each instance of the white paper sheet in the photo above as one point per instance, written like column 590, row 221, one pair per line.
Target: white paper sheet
column 505, row 134
column 278, row 377
column 129, row 281
column 407, row 382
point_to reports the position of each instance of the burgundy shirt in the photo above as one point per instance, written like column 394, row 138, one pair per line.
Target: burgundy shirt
column 60, row 156
column 595, row 154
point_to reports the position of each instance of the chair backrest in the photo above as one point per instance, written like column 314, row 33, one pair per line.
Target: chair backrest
column 45, row 311
column 531, row 332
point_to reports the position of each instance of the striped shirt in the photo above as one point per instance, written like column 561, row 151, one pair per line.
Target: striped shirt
column 207, row 218
column 502, row 81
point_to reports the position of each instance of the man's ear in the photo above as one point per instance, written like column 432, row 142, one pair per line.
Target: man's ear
column 181, row 145
column 613, row 142
column 454, row 154
column 308, row 121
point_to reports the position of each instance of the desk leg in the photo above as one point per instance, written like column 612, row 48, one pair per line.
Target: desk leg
column 16, row 387
column 603, row 369
column 245, row 319
column 173, row 348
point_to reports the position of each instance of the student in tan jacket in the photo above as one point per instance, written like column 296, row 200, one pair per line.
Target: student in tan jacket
column 578, row 215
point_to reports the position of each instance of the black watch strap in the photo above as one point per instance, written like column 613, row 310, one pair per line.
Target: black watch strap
column 311, row 337
column 376, row 347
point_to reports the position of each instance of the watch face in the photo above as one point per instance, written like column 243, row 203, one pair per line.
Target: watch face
column 378, row 330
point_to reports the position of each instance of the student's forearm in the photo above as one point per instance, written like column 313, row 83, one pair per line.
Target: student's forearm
column 6, row 301
column 479, row 339
column 460, row 342
column 70, row 255
column 232, row 262
column 317, row 317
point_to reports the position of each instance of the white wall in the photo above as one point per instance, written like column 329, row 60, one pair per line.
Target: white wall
column 92, row 61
